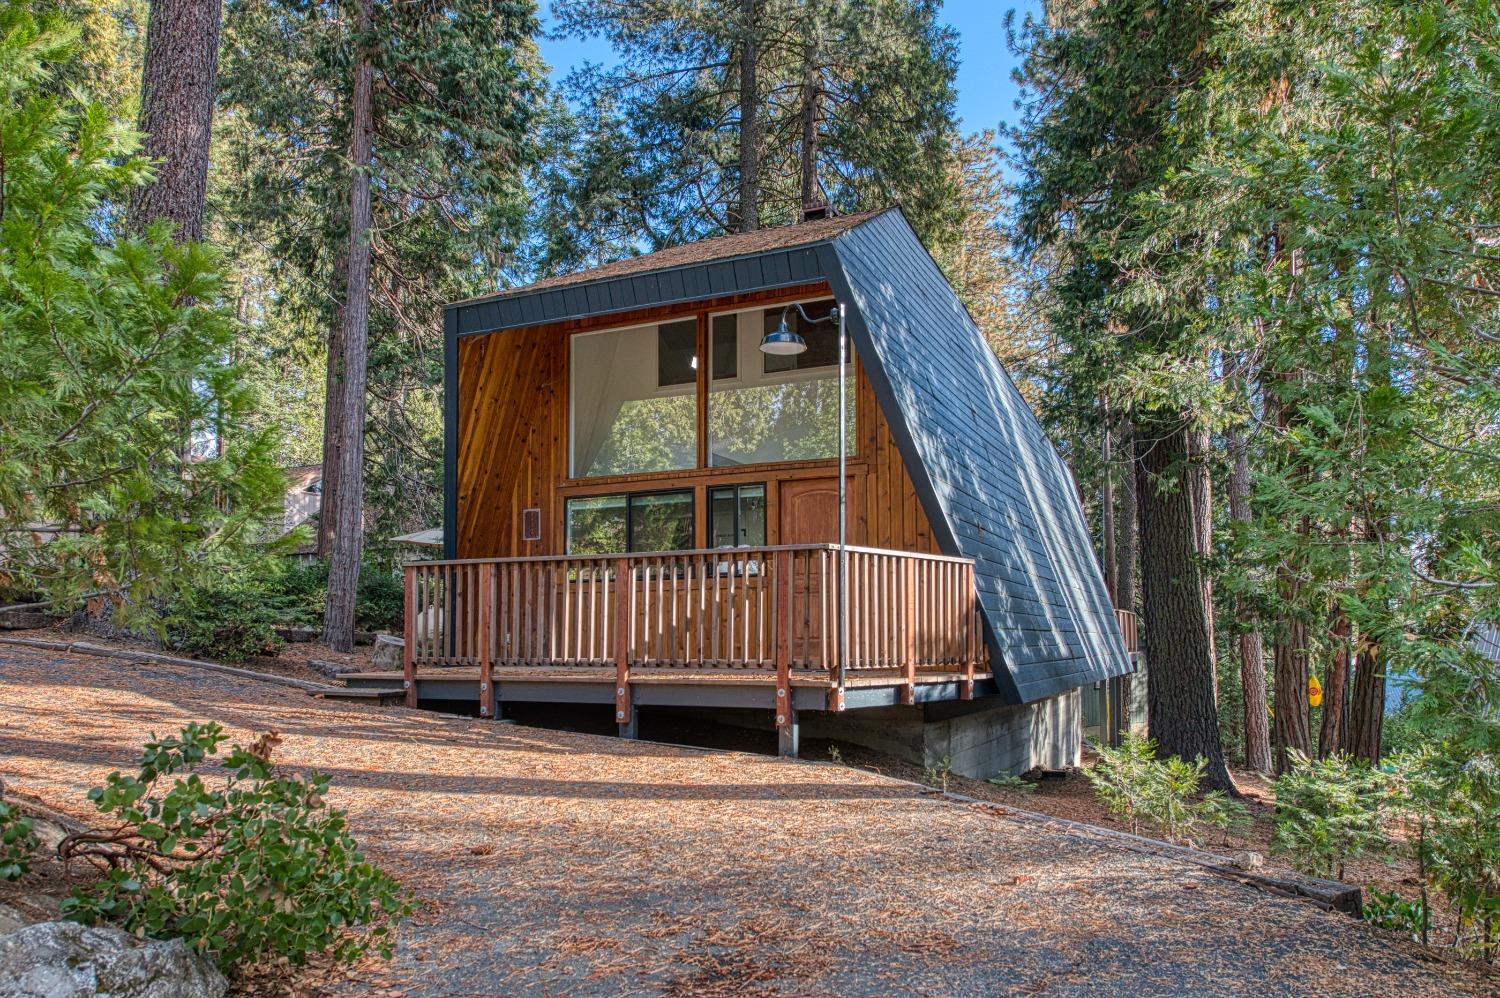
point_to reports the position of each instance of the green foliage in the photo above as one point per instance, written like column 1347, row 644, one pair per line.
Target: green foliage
column 18, row 842
column 1389, row 910
column 248, row 866
column 1132, row 783
column 230, row 618
column 380, row 602
column 1010, row 781
column 113, row 379
column 1329, row 812
column 651, row 154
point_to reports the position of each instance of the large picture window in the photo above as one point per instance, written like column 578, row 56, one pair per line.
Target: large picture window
column 643, row 521
column 765, row 408
column 633, row 400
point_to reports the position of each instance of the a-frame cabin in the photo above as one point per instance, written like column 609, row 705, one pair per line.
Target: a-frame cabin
column 642, row 505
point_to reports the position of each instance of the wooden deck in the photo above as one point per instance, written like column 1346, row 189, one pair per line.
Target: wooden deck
column 761, row 625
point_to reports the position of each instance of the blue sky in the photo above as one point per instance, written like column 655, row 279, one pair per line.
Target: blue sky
column 986, row 95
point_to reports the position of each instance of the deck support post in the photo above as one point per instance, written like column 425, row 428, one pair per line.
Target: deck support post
column 408, row 663
column 971, row 633
column 624, row 616
column 483, row 640
column 788, row 735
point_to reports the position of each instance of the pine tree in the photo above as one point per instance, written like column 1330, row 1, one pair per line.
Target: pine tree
column 177, row 110
column 732, row 114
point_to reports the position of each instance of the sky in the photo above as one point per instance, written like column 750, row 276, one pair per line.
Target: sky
column 986, row 95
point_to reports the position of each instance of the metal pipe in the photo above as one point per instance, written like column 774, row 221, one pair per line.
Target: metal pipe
column 843, row 515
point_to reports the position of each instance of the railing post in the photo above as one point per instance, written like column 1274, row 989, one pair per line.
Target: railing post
column 482, row 638
column 909, row 630
column 624, row 709
column 408, row 665
column 786, row 720
column 971, row 631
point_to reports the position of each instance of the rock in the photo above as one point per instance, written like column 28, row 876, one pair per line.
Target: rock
column 10, row 920
column 297, row 635
column 67, row 960
column 332, row 670
column 25, row 620
column 388, row 653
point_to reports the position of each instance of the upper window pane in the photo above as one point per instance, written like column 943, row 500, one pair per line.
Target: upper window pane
column 777, row 412
column 725, row 336
column 676, row 353
column 624, row 419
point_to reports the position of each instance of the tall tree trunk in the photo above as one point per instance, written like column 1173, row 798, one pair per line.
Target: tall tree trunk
column 1252, row 652
column 1125, row 560
column 1291, row 725
column 1331, row 731
column 177, row 110
column 812, row 194
column 333, row 434
column 1183, row 717
column 348, row 515
column 1107, row 510
column 1367, row 705
column 1200, row 481
column 749, row 193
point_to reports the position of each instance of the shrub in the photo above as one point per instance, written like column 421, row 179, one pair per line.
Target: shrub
column 380, row 602
column 1328, row 812
column 18, row 842
column 1137, row 786
column 231, row 620
column 257, row 866
column 1010, row 781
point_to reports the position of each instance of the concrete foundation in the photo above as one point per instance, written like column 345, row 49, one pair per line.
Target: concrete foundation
column 979, row 738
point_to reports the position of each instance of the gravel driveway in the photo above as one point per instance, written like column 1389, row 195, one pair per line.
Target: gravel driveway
column 552, row 863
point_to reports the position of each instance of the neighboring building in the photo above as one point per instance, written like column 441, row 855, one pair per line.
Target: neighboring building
column 648, row 423
column 301, row 504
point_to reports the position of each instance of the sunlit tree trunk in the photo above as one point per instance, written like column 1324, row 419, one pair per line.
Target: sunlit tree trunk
column 1252, row 653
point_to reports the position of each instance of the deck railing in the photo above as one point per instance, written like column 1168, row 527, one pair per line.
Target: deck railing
column 715, row 609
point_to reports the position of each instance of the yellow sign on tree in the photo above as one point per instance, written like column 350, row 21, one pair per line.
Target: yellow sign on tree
column 1314, row 692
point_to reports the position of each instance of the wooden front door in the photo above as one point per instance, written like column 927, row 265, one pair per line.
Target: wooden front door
column 809, row 511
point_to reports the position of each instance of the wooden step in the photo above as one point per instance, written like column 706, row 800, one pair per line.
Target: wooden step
column 381, row 695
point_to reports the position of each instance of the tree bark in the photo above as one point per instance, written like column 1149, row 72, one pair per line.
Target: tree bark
column 348, row 515
column 1331, row 731
column 177, row 109
column 749, row 193
column 1200, row 481
column 1125, row 560
column 1367, row 706
column 1107, row 510
column 1252, row 652
column 1183, row 717
column 333, row 414
column 812, row 195
column 1291, row 725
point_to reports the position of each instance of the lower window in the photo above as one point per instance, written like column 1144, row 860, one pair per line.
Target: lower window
column 737, row 516
column 642, row 521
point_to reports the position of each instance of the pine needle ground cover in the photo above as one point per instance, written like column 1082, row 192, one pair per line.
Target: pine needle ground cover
column 550, row 862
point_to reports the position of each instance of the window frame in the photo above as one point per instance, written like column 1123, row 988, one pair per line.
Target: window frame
column 629, row 497
column 736, row 487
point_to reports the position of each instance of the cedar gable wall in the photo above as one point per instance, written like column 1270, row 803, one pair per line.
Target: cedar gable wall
column 513, row 444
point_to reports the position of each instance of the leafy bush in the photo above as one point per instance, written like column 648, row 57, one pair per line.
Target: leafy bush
column 1389, row 910
column 231, row 619
column 1330, row 811
column 255, row 866
column 380, row 603
column 1010, row 781
column 1137, row 786
column 18, row 842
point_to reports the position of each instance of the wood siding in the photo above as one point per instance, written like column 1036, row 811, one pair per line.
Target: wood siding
column 512, row 451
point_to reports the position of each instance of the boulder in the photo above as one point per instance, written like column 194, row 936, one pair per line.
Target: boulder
column 332, row 670
column 67, row 960
column 388, row 651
